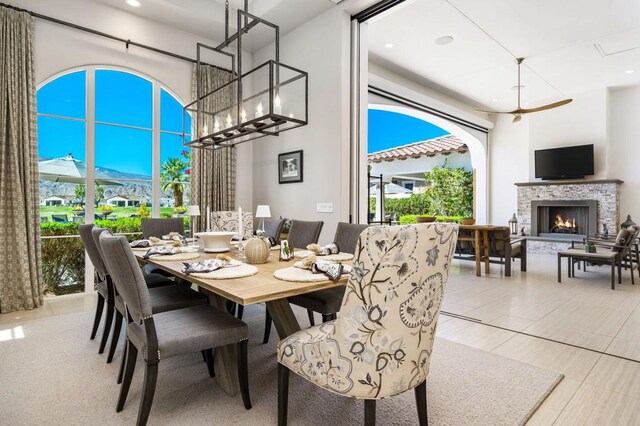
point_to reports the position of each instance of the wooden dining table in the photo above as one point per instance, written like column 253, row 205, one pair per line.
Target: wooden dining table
column 262, row 287
column 480, row 239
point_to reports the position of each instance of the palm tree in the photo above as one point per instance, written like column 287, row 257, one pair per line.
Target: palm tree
column 173, row 175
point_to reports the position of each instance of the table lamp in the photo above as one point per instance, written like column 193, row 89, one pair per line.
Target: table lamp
column 262, row 211
column 192, row 211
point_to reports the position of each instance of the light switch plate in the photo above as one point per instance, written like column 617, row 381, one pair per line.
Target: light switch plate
column 324, row 207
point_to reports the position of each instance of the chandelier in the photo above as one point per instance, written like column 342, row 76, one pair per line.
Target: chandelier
column 265, row 101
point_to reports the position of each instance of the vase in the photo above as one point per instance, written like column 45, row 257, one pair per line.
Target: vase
column 257, row 250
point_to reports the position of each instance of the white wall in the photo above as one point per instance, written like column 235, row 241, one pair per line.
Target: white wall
column 59, row 48
column 508, row 163
column 583, row 121
column 624, row 149
column 320, row 47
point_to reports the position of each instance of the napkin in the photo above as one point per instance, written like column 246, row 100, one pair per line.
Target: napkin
column 331, row 248
column 161, row 251
column 174, row 236
column 203, row 266
column 140, row 244
column 333, row 270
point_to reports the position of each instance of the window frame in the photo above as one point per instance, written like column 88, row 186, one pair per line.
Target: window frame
column 90, row 141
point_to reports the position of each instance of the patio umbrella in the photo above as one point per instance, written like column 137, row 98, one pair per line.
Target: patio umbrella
column 389, row 188
column 69, row 170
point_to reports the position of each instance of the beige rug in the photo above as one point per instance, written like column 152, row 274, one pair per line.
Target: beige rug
column 54, row 376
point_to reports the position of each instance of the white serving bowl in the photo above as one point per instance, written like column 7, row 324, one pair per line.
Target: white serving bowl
column 215, row 242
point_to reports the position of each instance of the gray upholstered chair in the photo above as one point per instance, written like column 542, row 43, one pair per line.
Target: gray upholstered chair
column 166, row 295
column 327, row 302
column 273, row 228
column 155, row 227
column 303, row 232
column 162, row 335
column 382, row 342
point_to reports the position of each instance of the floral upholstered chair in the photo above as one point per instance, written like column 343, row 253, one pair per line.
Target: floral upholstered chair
column 381, row 343
column 228, row 221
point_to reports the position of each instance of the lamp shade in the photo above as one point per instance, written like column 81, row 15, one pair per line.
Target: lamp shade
column 263, row 211
column 193, row 211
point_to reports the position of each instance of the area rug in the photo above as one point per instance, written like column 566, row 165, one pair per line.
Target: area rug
column 51, row 373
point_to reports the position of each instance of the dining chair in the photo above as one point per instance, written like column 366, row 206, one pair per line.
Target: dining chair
column 227, row 220
column 327, row 302
column 157, row 227
column 381, row 343
column 301, row 234
column 166, row 295
column 273, row 228
column 162, row 335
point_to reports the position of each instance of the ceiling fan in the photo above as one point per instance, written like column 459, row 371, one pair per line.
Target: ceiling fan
column 517, row 113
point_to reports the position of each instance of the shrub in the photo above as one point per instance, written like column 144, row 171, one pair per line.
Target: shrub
column 62, row 259
column 105, row 208
column 451, row 191
column 411, row 218
column 143, row 211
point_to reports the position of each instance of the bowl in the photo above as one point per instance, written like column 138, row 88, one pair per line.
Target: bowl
column 467, row 221
column 425, row 219
column 215, row 242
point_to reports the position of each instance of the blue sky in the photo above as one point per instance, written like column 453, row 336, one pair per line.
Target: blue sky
column 390, row 129
column 121, row 98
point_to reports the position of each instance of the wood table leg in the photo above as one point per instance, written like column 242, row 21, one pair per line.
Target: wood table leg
column 225, row 358
column 569, row 267
column 559, row 267
column 283, row 317
column 487, row 266
column 613, row 274
column 478, row 251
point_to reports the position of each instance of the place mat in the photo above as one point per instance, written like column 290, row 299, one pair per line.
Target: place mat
column 301, row 254
column 300, row 275
column 177, row 256
column 240, row 271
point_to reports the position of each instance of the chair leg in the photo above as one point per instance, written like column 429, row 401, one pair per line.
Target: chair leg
column 243, row 373
column 130, row 366
column 123, row 362
column 240, row 311
column 369, row 412
column 117, row 327
column 148, row 391
column 107, row 327
column 98, row 317
column 267, row 327
column 208, row 357
column 204, row 355
column 421, row 402
column 312, row 320
column 327, row 317
column 283, row 394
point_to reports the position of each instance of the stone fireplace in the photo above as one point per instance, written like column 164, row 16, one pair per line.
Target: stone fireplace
column 564, row 219
column 556, row 212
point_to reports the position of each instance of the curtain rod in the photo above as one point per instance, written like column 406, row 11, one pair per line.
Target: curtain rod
column 127, row 42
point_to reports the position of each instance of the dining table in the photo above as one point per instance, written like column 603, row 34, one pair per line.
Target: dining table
column 263, row 287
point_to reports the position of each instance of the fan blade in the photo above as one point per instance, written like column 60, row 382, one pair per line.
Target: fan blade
column 496, row 112
column 544, row 107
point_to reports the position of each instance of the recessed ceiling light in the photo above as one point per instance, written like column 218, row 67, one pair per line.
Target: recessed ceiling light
column 441, row 41
column 495, row 99
column 134, row 3
column 630, row 71
column 388, row 45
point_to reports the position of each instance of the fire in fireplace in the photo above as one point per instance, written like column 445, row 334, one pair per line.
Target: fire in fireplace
column 564, row 226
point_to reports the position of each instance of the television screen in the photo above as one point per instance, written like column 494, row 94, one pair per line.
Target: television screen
column 564, row 163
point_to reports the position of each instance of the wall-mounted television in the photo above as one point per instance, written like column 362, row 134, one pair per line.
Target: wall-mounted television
column 570, row 162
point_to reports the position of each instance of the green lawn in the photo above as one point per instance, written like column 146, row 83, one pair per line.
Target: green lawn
column 117, row 211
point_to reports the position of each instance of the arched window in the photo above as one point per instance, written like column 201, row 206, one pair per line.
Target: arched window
column 109, row 142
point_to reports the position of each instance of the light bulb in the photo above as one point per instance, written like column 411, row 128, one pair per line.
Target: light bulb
column 216, row 125
column 277, row 105
column 229, row 122
column 205, row 130
column 259, row 110
column 243, row 115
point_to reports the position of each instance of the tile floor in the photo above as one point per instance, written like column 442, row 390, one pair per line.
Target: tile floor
column 583, row 312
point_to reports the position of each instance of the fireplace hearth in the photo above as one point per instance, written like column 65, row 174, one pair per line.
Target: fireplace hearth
column 563, row 219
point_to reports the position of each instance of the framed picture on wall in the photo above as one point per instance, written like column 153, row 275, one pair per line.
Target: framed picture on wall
column 290, row 167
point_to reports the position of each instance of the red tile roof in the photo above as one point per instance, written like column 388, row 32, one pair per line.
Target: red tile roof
column 431, row 147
